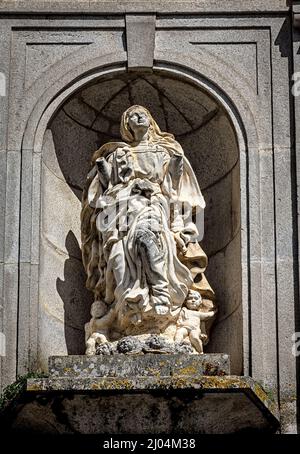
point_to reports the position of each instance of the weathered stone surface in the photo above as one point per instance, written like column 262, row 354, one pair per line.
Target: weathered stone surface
column 2, row 201
column 141, row 413
column 227, row 282
column 12, row 207
column 26, row 206
column 140, row 36
column 10, row 316
column 4, row 83
column 118, row 394
column 219, row 211
column 24, row 317
column 181, row 404
column 143, row 344
column 159, row 394
column 94, row 6
column 121, row 365
column 240, row 61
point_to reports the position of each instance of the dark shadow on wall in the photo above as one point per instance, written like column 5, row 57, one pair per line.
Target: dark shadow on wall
column 76, row 298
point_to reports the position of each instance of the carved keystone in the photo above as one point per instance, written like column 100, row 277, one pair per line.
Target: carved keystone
column 140, row 36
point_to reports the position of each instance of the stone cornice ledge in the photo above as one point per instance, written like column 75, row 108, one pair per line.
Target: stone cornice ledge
column 201, row 386
column 296, row 15
column 141, row 6
column 157, row 393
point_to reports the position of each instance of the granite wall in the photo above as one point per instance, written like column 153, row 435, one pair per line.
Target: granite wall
column 217, row 75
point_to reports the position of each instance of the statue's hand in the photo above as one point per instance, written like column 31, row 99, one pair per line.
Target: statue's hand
column 186, row 237
column 180, row 242
column 104, row 171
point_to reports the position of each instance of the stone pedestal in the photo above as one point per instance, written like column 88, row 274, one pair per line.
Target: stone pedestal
column 155, row 394
column 133, row 366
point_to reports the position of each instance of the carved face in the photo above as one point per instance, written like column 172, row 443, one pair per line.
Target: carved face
column 193, row 300
column 138, row 119
column 98, row 309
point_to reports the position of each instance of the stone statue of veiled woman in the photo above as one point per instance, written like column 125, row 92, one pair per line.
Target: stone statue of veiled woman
column 139, row 241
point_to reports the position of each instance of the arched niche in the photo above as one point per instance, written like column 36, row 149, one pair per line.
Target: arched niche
column 86, row 120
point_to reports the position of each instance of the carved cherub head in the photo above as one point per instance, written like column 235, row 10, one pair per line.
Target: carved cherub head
column 193, row 300
column 98, row 309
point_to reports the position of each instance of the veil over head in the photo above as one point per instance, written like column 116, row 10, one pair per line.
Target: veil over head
column 155, row 134
column 188, row 191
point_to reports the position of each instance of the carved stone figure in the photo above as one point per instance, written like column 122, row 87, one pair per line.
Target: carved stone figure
column 139, row 243
column 189, row 321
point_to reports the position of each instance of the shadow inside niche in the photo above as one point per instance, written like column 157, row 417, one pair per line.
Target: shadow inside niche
column 76, row 298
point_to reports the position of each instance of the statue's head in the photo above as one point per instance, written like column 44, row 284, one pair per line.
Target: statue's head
column 193, row 300
column 139, row 118
column 133, row 119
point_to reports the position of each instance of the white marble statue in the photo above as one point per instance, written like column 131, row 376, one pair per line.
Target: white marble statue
column 139, row 241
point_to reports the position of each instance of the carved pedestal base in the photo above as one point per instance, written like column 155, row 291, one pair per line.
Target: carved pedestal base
column 142, row 394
